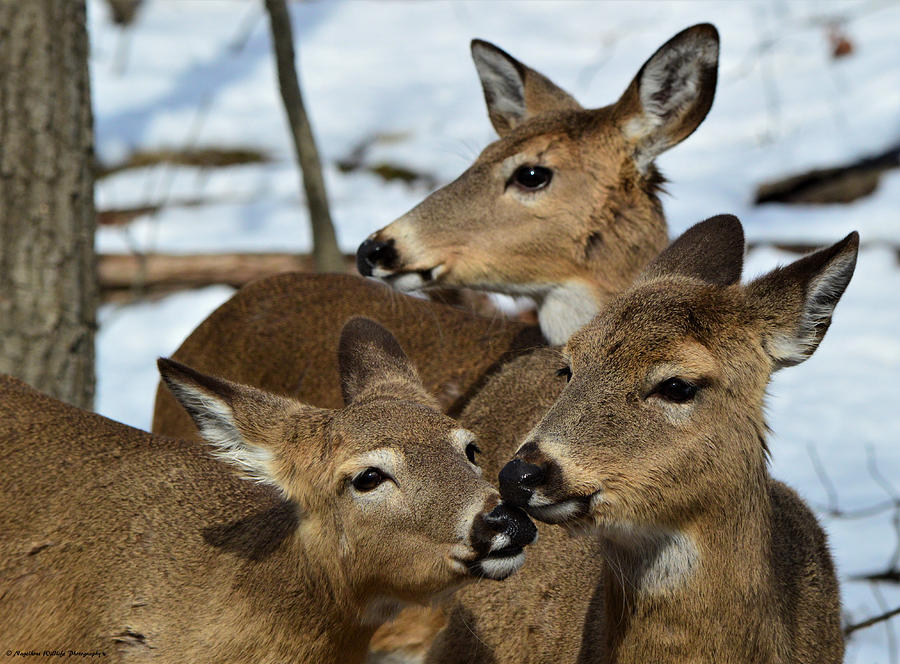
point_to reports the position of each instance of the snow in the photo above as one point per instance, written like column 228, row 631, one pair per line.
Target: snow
column 200, row 74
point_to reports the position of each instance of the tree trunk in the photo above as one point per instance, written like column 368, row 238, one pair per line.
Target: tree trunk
column 47, row 271
column 325, row 251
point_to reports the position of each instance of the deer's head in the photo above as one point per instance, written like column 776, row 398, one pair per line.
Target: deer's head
column 389, row 496
column 564, row 205
column 662, row 416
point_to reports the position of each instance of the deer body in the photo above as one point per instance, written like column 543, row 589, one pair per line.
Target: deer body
column 571, row 241
column 281, row 333
column 114, row 540
column 130, row 571
column 656, row 448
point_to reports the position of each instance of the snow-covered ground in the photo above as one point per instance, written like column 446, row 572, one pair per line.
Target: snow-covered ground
column 198, row 73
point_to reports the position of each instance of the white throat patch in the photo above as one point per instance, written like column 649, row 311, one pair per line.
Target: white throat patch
column 651, row 562
column 566, row 309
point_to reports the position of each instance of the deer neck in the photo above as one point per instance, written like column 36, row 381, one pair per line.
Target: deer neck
column 308, row 607
column 331, row 639
column 622, row 238
column 704, row 593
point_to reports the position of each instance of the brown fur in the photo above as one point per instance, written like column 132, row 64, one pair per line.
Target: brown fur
column 700, row 555
column 582, row 238
column 598, row 225
column 282, row 333
column 539, row 615
column 144, row 547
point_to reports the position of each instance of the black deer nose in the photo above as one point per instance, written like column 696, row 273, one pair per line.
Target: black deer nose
column 512, row 522
column 372, row 253
column 517, row 481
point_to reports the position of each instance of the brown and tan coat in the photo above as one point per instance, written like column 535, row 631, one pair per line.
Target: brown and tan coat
column 571, row 241
column 656, row 450
column 147, row 548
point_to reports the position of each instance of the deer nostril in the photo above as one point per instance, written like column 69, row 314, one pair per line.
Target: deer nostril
column 372, row 253
column 523, row 473
column 517, row 481
column 513, row 523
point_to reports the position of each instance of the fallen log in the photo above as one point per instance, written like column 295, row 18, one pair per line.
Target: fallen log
column 129, row 277
column 125, row 277
column 821, row 186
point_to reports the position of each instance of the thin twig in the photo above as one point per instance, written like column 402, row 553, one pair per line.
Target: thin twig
column 824, row 480
column 868, row 622
column 891, row 491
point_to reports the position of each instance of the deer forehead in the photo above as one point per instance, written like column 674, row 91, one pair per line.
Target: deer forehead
column 559, row 135
column 689, row 325
column 402, row 426
column 386, row 459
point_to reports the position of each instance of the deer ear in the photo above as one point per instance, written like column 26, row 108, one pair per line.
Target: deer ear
column 240, row 422
column 795, row 302
column 373, row 366
column 671, row 94
column 512, row 91
column 711, row 251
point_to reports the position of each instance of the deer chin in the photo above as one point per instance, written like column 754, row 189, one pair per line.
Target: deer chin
column 409, row 280
column 498, row 563
column 502, row 559
column 574, row 512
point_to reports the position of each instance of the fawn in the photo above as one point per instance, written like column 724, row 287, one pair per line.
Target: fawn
column 144, row 547
column 656, row 449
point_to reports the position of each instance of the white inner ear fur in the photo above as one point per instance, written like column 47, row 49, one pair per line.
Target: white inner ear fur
column 821, row 298
column 669, row 85
column 215, row 419
column 501, row 79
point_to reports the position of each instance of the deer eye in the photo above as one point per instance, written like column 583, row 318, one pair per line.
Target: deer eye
column 531, row 178
column 471, row 450
column 676, row 390
column 565, row 371
column 368, row 479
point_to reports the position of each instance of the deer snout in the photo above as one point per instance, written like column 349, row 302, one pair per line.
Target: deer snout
column 518, row 480
column 512, row 523
column 373, row 253
column 499, row 536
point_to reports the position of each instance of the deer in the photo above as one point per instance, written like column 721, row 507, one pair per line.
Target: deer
column 564, row 206
column 136, row 547
column 655, row 452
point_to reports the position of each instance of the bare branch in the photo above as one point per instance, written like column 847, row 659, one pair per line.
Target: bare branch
column 872, row 462
column 833, row 507
column 849, row 629
column 325, row 249
column 826, row 482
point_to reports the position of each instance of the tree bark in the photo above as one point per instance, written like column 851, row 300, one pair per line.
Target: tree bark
column 326, row 253
column 47, row 271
